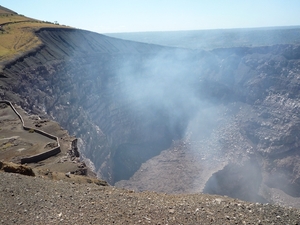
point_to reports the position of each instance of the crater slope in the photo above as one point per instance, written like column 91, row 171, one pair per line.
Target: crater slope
column 197, row 111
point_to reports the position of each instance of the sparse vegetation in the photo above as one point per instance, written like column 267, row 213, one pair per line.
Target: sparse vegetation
column 31, row 131
column 7, row 145
column 15, row 168
column 17, row 34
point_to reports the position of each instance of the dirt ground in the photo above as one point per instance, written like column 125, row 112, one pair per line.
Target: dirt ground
column 55, row 194
column 15, row 143
column 32, row 200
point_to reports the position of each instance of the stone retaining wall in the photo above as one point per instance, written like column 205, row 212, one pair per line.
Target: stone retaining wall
column 40, row 156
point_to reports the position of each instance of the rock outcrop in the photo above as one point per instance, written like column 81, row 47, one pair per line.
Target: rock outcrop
column 128, row 101
column 87, row 81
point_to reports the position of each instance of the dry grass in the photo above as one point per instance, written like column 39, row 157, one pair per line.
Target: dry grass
column 8, row 18
column 4, row 11
column 6, row 145
column 16, row 168
column 18, row 35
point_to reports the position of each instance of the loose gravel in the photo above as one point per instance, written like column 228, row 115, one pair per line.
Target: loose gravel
column 33, row 200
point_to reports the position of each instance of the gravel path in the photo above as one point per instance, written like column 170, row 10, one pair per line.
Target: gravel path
column 33, row 200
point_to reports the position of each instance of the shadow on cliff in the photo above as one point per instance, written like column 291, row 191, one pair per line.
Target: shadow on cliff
column 127, row 101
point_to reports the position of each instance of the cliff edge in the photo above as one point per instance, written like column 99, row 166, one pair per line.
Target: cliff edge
column 224, row 121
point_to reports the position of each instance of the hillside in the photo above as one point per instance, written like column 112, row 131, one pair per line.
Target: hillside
column 17, row 34
column 4, row 10
column 172, row 120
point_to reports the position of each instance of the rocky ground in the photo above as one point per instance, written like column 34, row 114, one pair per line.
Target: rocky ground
column 33, row 200
column 223, row 122
column 90, row 93
column 16, row 143
column 224, row 162
column 54, row 194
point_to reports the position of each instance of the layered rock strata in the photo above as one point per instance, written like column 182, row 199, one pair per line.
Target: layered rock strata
column 128, row 101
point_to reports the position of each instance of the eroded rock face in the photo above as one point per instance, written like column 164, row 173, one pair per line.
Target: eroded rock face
column 241, row 181
column 15, row 168
column 255, row 114
column 119, row 97
column 129, row 101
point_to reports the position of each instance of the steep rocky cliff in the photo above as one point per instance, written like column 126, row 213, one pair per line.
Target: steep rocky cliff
column 128, row 101
column 87, row 81
column 249, row 146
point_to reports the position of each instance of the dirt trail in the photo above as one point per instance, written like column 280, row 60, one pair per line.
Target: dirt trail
column 17, row 143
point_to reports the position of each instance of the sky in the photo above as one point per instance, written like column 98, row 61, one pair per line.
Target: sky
column 115, row 16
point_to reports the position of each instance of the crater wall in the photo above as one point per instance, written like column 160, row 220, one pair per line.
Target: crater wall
column 129, row 101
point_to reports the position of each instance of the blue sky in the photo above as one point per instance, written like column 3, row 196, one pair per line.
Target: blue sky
column 160, row 15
